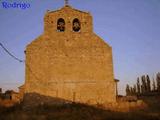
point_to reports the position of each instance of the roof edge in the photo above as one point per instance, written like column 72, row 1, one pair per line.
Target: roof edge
column 70, row 7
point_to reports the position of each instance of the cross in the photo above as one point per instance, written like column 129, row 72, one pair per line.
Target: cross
column 66, row 2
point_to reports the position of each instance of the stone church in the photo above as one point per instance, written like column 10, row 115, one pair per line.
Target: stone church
column 69, row 61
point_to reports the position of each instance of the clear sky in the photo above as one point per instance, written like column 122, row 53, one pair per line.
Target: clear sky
column 131, row 27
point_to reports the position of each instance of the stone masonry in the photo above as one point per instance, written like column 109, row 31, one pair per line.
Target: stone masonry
column 72, row 65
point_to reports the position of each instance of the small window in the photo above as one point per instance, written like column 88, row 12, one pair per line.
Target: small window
column 60, row 25
column 76, row 25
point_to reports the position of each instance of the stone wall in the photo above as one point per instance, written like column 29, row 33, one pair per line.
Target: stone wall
column 75, row 66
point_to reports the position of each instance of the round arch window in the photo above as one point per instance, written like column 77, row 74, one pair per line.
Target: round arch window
column 61, row 25
column 76, row 25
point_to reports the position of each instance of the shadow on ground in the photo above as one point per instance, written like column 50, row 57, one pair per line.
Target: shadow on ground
column 68, row 111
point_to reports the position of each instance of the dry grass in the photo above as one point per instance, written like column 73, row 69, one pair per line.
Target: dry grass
column 72, row 112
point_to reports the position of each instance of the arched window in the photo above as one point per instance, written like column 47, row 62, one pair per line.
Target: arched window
column 76, row 25
column 61, row 25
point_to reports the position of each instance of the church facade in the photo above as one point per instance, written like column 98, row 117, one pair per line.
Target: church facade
column 69, row 61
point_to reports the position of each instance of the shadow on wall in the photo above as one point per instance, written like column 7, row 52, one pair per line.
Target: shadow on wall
column 35, row 99
column 40, row 107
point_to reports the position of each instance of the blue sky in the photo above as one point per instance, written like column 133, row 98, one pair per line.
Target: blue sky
column 131, row 27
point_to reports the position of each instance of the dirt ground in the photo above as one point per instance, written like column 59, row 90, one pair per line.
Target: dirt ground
column 74, row 111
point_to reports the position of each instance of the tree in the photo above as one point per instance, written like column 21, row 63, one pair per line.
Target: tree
column 154, row 86
column 131, row 91
column 134, row 90
column 128, row 92
column 148, row 84
column 138, row 86
column 144, row 85
column 142, row 90
column 158, row 81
